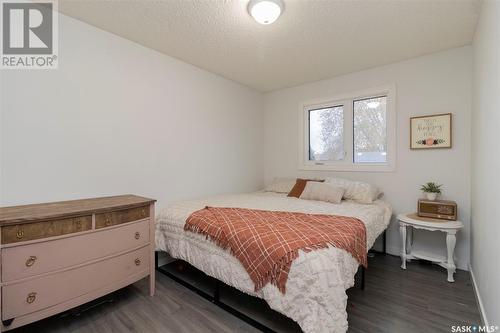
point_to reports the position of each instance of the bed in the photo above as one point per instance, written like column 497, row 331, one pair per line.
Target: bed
column 316, row 288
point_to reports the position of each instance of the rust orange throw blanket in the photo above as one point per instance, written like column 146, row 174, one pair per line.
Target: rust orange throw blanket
column 266, row 242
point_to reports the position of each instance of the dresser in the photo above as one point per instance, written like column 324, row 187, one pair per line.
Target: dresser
column 59, row 255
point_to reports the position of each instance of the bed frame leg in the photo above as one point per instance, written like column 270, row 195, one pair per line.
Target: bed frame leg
column 384, row 240
column 362, row 278
column 217, row 292
column 215, row 299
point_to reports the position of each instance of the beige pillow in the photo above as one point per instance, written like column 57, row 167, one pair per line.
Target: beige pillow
column 358, row 191
column 300, row 185
column 322, row 192
column 281, row 185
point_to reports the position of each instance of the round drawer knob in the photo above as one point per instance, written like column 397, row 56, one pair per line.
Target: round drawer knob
column 137, row 235
column 137, row 262
column 31, row 261
column 31, row 298
column 20, row 234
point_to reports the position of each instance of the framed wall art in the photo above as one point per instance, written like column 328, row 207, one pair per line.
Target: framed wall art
column 430, row 132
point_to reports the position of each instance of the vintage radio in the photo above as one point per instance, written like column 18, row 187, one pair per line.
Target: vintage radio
column 438, row 209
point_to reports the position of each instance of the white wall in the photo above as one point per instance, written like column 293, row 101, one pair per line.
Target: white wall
column 486, row 162
column 437, row 83
column 120, row 118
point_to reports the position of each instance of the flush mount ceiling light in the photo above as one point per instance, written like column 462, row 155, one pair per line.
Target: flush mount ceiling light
column 265, row 11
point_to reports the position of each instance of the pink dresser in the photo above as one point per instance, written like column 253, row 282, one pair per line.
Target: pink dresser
column 56, row 256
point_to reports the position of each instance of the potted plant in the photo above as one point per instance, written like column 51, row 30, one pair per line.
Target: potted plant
column 431, row 190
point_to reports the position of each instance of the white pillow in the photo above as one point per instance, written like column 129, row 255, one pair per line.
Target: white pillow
column 322, row 192
column 358, row 191
column 281, row 185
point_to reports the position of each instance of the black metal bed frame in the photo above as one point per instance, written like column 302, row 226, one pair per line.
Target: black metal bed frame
column 215, row 298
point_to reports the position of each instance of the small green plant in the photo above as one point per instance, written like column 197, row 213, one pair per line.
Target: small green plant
column 431, row 187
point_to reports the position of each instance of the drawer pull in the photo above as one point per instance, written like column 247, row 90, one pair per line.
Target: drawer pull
column 20, row 234
column 31, row 261
column 31, row 298
column 143, row 212
column 137, row 262
column 108, row 221
column 137, row 235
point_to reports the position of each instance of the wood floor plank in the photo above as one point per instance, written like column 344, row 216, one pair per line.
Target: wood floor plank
column 416, row 300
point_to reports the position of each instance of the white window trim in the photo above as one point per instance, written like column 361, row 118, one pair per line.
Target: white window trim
column 347, row 164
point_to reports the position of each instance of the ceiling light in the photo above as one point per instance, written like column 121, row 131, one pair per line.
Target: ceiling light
column 373, row 105
column 265, row 11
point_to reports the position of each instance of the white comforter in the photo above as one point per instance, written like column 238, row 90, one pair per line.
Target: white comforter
column 315, row 297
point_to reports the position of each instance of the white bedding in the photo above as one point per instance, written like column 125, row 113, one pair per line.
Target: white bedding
column 315, row 297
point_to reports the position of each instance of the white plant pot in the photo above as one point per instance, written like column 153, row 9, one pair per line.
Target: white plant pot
column 431, row 196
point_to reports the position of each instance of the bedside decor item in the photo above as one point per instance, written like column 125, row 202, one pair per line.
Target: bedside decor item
column 428, row 132
column 411, row 250
column 431, row 190
column 56, row 256
column 438, row 209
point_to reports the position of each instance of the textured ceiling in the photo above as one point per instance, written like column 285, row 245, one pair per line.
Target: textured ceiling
column 312, row 40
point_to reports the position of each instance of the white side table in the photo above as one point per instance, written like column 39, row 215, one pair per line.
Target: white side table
column 414, row 221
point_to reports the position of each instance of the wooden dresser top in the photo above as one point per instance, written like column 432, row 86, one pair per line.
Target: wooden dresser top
column 61, row 209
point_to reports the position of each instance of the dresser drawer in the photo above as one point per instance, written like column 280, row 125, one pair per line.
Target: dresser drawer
column 36, row 294
column 38, row 230
column 32, row 259
column 103, row 220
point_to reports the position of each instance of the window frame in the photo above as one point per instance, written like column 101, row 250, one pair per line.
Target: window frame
column 347, row 100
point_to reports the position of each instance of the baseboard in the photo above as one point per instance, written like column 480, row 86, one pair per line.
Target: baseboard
column 394, row 250
column 478, row 299
column 164, row 258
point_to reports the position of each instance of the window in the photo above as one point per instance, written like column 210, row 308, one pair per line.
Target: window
column 351, row 133
column 370, row 130
column 326, row 134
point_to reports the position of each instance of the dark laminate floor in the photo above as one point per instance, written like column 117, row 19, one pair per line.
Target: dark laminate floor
column 416, row 300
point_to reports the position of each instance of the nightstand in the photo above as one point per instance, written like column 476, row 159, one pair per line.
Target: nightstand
column 417, row 222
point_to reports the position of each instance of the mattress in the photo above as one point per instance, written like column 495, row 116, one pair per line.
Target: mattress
column 316, row 288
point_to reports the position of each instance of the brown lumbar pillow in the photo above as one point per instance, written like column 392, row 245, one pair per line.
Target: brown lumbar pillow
column 300, row 185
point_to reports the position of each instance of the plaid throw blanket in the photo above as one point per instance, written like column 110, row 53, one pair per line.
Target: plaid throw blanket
column 266, row 242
